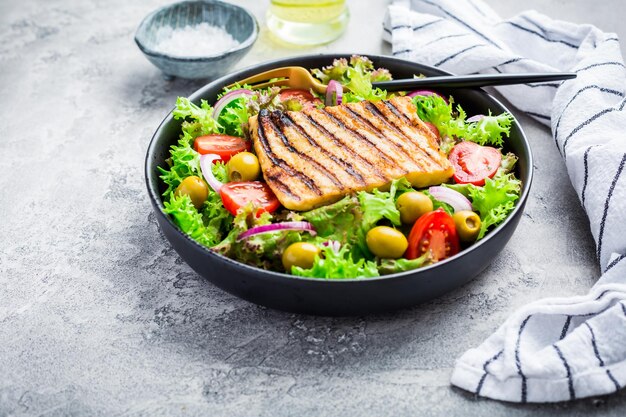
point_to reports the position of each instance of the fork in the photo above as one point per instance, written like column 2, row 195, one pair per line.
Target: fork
column 301, row 78
column 293, row 77
column 474, row 80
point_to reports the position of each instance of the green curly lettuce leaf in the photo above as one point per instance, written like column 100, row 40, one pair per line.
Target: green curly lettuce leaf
column 435, row 110
column 360, row 89
column 261, row 250
column 183, row 162
column 338, row 221
column 349, row 219
column 489, row 129
column 220, row 171
column 207, row 228
column 233, row 87
column 234, row 118
column 380, row 74
column 357, row 76
column 496, row 199
column 337, row 71
column 338, row 265
column 493, row 201
column 266, row 98
column 379, row 205
column 452, row 124
column 198, row 120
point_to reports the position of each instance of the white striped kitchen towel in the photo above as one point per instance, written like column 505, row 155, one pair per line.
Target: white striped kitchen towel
column 562, row 348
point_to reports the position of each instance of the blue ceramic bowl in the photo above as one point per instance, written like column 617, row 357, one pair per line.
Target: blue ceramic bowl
column 237, row 21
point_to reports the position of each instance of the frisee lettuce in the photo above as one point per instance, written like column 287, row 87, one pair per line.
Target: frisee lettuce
column 489, row 129
column 183, row 162
column 191, row 222
column 357, row 76
column 198, row 120
column 379, row 205
column 209, row 225
column 494, row 200
column 338, row 265
column 435, row 110
column 349, row 219
column 339, row 221
column 266, row 98
column 234, row 117
column 452, row 123
column 262, row 250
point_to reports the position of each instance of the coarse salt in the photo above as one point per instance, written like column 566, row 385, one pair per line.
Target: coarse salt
column 194, row 41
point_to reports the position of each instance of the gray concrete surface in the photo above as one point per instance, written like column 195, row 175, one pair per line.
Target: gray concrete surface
column 99, row 316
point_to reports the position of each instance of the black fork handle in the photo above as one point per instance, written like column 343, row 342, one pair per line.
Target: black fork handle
column 470, row 81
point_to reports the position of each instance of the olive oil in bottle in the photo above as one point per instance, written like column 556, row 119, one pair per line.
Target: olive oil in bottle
column 307, row 22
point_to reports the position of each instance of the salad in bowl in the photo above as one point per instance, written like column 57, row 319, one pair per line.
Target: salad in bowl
column 352, row 184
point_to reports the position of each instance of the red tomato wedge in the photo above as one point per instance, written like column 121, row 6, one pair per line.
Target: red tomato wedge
column 294, row 99
column 238, row 194
column 223, row 145
column 433, row 233
column 473, row 163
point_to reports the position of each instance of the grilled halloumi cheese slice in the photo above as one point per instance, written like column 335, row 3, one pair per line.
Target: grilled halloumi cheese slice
column 315, row 157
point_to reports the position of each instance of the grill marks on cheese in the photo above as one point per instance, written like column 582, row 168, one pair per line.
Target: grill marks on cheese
column 315, row 157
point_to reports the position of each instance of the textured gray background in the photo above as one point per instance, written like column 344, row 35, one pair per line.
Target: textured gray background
column 99, row 316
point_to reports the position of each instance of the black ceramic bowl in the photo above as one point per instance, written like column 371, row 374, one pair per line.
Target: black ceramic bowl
column 347, row 296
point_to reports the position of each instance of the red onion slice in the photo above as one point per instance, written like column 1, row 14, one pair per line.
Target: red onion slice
column 476, row 118
column 206, row 165
column 229, row 98
column 296, row 226
column 426, row 93
column 334, row 89
column 457, row 200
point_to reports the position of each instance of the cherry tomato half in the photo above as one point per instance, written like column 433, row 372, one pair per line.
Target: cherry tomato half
column 298, row 99
column 433, row 233
column 238, row 194
column 223, row 145
column 473, row 163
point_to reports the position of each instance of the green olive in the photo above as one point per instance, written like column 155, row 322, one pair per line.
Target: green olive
column 195, row 188
column 467, row 225
column 386, row 242
column 413, row 205
column 300, row 254
column 243, row 167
